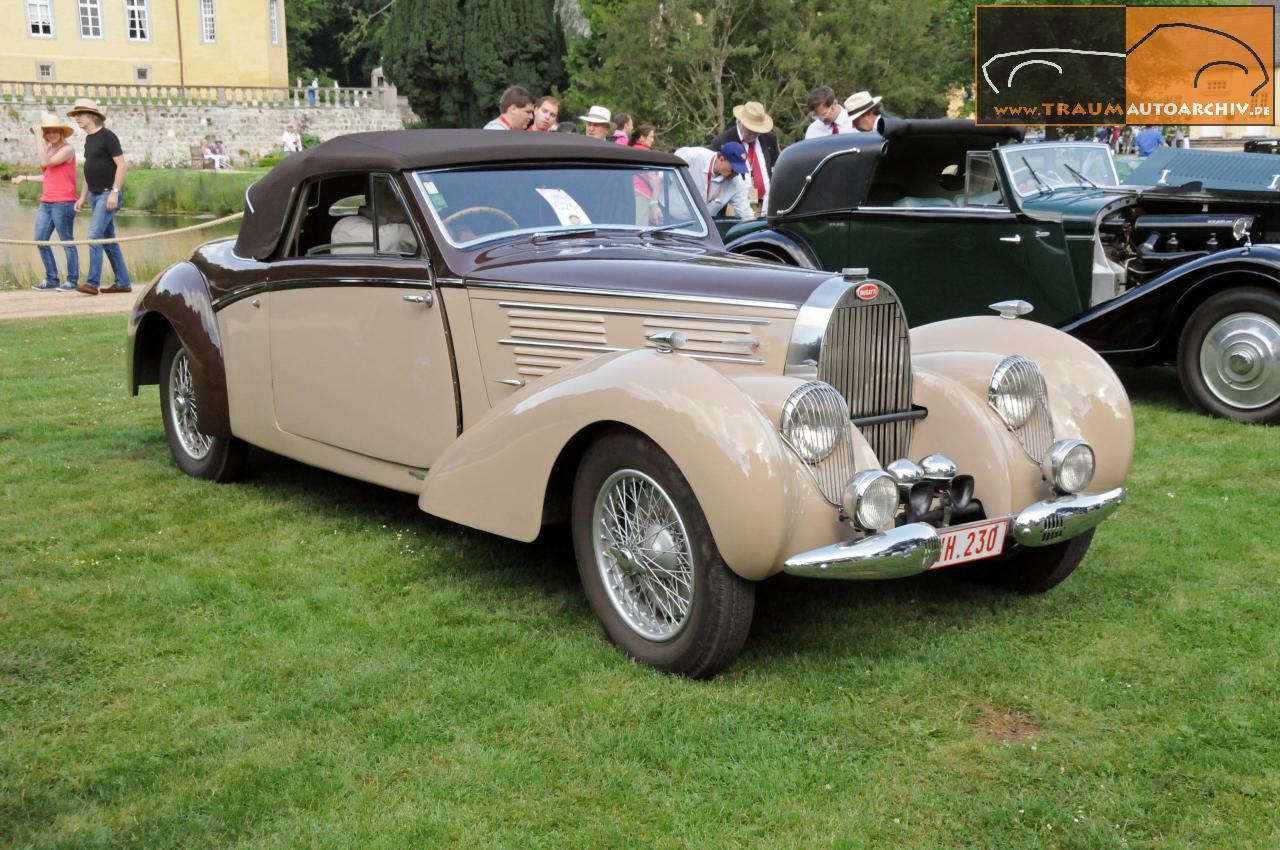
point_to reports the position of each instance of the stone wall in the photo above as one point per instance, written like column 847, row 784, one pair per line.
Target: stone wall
column 162, row 135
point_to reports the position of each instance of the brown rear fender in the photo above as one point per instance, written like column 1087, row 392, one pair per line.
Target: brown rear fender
column 178, row 300
column 749, row 485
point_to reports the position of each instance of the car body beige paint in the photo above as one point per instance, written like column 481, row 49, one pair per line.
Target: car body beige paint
column 1086, row 398
column 747, row 482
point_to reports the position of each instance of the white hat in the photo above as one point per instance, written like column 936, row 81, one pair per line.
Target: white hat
column 597, row 115
column 859, row 103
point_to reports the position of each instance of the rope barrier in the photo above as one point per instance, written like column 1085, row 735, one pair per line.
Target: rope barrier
column 54, row 243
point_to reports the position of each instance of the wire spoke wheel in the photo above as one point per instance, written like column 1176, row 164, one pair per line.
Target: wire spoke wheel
column 643, row 554
column 183, row 408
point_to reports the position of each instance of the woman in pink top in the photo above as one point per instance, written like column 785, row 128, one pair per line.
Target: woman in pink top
column 57, row 200
column 647, row 203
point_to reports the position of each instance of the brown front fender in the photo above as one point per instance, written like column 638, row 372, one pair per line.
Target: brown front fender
column 178, row 301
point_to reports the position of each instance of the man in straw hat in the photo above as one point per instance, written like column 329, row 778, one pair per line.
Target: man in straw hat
column 864, row 111
column 57, row 199
column 599, row 121
column 753, row 129
column 104, row 170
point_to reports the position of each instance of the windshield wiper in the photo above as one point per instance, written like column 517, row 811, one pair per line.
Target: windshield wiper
column 1036, row 177
column 663, row 228
column 1069, row 167
column 544, row 236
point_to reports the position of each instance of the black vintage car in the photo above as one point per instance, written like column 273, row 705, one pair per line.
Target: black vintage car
column 1175, row 265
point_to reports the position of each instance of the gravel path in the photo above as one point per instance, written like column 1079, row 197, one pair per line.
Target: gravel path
column 29, row 304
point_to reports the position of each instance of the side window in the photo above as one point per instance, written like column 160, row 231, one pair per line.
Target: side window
column 981, row 183
column 337, row 215
column 394, row 234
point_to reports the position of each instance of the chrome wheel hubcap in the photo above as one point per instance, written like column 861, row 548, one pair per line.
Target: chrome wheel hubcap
column 643, row 555
column 1240, row 360
column 182, row 408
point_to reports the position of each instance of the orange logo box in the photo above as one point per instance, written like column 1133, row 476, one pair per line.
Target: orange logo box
column 1200, row 65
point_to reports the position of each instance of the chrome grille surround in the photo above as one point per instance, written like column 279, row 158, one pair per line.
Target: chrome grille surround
column 1035, row 434
column 862, row 348
column 816, row 403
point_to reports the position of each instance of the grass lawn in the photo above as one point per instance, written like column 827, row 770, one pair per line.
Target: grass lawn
column 305, row 661
column 177, row 190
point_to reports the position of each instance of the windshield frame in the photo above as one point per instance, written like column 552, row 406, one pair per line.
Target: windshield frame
column 1008, row 154
column 421, row 176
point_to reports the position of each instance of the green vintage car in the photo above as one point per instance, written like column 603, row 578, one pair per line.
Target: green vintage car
column 1159, row 269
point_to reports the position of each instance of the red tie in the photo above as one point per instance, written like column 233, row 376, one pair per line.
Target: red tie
column 756, row 176
column 835, row 129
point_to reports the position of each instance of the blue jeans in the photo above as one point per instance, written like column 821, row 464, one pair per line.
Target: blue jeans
column 60, row 215
column 102, row 225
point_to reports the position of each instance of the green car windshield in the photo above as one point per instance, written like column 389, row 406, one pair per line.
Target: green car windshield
column 477, row 205
column 1047, row 166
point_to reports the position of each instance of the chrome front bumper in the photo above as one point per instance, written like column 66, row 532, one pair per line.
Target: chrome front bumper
column 913, row 548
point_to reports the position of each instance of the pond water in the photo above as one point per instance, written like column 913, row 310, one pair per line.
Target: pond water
column 20, row 265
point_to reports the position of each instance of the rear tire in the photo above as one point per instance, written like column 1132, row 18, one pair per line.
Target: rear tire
column 1034, row 569
column 649, row 566
column 196, row 453
column 1229, row 355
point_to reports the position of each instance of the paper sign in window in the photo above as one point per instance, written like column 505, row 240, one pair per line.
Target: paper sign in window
column 565, row 207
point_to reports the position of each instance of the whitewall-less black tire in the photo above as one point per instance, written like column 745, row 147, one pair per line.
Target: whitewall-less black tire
column 649, row 567
column 196, row 453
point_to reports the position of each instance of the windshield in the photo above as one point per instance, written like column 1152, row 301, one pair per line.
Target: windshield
column 1044, row 167
column 482, row 204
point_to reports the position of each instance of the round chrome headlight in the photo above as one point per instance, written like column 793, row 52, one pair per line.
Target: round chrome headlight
column 815, row 418
column 1069, row 465
column 1016, row 388
column 871, row 499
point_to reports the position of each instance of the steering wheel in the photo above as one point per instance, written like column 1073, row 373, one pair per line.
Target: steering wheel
column 466, row 211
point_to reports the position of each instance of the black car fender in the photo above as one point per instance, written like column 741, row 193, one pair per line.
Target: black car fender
column 1143, row 325
column 777, row 246
column 178, row 300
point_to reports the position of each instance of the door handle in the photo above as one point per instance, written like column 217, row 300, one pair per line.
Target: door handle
column 1012, row 239
column 425, row 300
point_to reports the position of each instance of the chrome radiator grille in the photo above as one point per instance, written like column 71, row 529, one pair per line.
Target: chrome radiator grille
column 866, row 355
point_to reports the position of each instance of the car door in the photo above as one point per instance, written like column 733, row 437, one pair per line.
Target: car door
column 359, row 351
column 945, row 256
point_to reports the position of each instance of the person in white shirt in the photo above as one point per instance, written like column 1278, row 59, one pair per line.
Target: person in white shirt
column 516, row 110
column 290, row 140
column 719, row 177
column 829, row 117
column 395, row 236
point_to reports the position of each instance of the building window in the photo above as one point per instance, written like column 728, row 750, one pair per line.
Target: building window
column 208, row 27
column 138, row 20
column 44, row 72
column 273, row 19
column 142, row 74
column 91, row 18
column 40, row 18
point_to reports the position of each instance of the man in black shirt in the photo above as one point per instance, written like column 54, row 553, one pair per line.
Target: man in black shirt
column 104, row 170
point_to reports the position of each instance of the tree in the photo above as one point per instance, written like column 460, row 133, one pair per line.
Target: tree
column 454, row 58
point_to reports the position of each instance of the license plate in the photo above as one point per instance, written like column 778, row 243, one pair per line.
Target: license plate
column 971, row 542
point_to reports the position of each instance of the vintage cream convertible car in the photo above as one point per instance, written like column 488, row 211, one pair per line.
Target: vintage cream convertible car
column 520, row 332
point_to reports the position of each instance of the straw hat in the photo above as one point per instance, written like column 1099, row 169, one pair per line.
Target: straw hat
column 752, row 116
column 859, row 103
column 49, row 121
column 597, row 115
column 86, row 104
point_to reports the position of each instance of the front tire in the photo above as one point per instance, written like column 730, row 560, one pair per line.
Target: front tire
column 1033, row 569
column 1229, row 355
column 196, row 453
column 649, row 566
